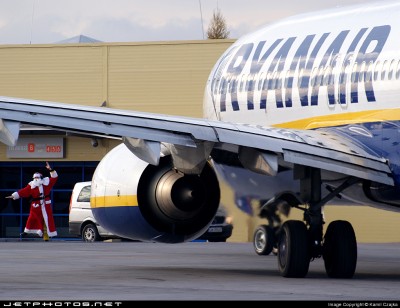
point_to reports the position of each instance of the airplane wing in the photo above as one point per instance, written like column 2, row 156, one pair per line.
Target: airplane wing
column 261, row 148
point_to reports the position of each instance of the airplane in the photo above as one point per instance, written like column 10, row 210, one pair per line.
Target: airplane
column 307, row 105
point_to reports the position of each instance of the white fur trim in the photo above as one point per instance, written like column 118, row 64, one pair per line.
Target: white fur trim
column 53, row 174
column 52, row 234
column 15, row 195
column 37, row 174
column 34, row 231
column 46, row 221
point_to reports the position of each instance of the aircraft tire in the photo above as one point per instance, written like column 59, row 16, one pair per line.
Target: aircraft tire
column 263, row 240
column 293, row 252
column 340, row 250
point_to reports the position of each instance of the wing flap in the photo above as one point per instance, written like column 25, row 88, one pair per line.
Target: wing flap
column 337, row 166
column 9, row 132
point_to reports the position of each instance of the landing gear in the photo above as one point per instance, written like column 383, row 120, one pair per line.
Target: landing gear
column 265, row 236
column 339, row 250
column 300, row 242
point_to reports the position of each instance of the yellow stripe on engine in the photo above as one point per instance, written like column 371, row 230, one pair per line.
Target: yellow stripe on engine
column 339, row 119
column 112, row 201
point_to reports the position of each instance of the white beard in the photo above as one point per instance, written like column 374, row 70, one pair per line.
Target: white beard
column 37, row 182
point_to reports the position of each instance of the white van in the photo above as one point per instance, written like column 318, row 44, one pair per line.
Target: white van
column 81, row 220
column 83, row 224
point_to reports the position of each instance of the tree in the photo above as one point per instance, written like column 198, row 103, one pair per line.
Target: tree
column 217, row 28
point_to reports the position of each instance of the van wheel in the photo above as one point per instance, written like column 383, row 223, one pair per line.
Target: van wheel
column 90, row 233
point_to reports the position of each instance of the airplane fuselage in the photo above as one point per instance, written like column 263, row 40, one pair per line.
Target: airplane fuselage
column 310, row 75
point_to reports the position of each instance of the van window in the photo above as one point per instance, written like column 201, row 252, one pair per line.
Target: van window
column 84, row 195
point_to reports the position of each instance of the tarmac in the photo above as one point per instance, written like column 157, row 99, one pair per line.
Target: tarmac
column 136, row 271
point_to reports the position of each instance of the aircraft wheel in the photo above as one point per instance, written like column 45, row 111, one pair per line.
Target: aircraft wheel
column 340, row 250
column 263, row 240
column 293, row 252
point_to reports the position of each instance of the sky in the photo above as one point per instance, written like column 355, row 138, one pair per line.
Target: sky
column 51, row 21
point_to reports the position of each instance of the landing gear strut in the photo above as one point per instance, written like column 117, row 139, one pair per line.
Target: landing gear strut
column 300, row 242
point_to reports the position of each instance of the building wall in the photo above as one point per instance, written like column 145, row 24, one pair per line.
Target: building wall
column 165, row 77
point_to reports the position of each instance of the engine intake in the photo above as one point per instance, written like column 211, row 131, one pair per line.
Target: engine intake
column 178, row 203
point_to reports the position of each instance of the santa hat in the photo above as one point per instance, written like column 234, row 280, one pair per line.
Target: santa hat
column 37, row 175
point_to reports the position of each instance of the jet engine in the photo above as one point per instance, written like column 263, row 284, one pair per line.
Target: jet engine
column 140, row 201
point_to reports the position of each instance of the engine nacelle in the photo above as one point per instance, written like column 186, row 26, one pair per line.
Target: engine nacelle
column 136, row 200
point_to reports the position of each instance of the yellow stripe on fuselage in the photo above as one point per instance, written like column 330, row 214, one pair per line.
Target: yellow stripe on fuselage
column 338, row 119
column 112, row 201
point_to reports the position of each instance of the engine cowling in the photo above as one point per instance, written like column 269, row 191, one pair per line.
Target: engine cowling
column 136, row 200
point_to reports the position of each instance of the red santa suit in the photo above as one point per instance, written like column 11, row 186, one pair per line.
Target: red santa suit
column 41, row 209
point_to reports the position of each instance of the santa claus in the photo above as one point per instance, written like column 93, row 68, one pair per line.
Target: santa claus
column 41, row 213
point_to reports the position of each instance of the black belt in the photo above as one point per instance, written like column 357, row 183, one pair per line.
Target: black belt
column 40, row 198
